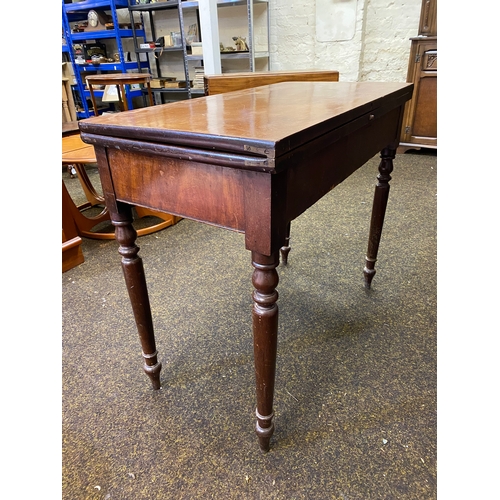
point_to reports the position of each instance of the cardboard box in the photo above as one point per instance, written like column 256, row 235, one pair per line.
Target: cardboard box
column 175, row 85
column 197, row 48
column 161, row 83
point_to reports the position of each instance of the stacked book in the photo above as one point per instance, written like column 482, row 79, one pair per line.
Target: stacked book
column 199, row 74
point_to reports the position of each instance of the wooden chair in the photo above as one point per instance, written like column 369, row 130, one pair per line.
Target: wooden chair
column 228, row 82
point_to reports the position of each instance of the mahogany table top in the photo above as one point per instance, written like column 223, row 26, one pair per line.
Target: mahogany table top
column 270, row 120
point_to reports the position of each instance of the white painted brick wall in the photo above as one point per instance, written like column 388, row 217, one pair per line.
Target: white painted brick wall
column 378, row 51
column 386, row 48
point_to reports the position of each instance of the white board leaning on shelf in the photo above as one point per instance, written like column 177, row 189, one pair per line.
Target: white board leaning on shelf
column 110, row 94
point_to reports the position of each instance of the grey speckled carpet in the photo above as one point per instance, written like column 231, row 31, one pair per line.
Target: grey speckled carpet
column 355, row 398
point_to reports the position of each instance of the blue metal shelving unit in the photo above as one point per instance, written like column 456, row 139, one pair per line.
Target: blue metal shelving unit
column 76, row 12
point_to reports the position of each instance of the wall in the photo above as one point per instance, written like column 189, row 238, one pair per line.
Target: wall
column 370, row 43
column 378, row 49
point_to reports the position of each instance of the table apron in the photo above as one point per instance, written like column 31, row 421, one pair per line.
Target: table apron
column 242, row 200
column 317, row 168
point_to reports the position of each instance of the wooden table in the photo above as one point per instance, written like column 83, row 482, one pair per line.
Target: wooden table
column 250, row 161
column 120, row 80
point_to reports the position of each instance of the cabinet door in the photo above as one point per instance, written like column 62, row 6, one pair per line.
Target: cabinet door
column 420, row 122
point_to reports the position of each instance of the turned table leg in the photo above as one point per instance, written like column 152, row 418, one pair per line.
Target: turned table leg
column 133, row 271
column 265, row 334
column 378, row 212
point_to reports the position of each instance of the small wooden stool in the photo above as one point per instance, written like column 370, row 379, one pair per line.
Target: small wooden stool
column 120, row 80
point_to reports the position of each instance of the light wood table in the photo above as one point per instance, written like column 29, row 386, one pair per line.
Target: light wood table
column 120, row 80
column 249, row 161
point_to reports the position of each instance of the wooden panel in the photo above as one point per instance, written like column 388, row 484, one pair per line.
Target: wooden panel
column 219, row 84
column 428, row 18
column 72, row 254
column 332, row 164
column 425, row 118
column 199, row 191
column 419, row 127
column 430, row 61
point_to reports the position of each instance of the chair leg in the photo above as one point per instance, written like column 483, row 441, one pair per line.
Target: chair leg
column 285, row 249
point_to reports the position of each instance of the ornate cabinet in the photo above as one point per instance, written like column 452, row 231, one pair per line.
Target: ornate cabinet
column 420, row 118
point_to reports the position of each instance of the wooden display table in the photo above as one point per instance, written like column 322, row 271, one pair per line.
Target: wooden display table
column 250, row 161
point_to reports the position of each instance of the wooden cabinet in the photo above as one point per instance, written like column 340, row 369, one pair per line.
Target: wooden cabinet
column 420, row 117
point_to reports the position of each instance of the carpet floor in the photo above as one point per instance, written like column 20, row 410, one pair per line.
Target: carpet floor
column 355, row 398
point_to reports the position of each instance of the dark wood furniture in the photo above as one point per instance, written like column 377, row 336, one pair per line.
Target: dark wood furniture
column 227, row 82
column 120, row 80
column 420, row 119
column 72, row 254
column 250, row 161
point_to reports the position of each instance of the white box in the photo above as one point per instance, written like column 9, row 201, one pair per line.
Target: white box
column 196, row 48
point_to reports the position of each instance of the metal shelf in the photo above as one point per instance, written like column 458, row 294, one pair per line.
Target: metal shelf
column 116, row 66
column 146, row 12
column 74, row 12
column 95, row 4
column 100, row 35
column 173, row 4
